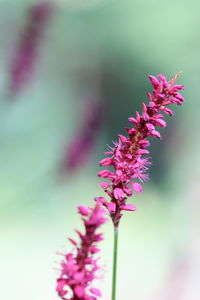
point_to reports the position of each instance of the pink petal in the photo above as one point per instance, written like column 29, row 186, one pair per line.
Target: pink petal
column 155, row 82
column 72, row 241
column 137, row 187
column 160, row 122
column 95, row 291
column 104, row 174
column 127, row 190
column 83, row 210
column 142, row 151
column 104, row 185
column 111, row 207
column 132, row 120
column 144, row 143
column 60, row 287
column 155, row 133
column 94, row 249
column 101, row 200
column 167, row 111
column 79, row 291
column 122, row 138
column 106, row 162
column 149, row 126
column 118, row 193
column 128, row 207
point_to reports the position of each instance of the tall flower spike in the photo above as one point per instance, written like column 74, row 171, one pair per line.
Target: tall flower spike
column 26, row 52
column 128, row 155
column 79, row 267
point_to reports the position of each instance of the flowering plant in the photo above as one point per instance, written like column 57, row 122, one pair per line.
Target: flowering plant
column 128, row 158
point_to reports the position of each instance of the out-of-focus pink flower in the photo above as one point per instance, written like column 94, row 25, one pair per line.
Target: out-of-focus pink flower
column 82, row 144
column 26, row 52
column 79, row 267
column 127, row 155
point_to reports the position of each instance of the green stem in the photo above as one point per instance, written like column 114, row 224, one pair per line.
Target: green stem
column 114, row 276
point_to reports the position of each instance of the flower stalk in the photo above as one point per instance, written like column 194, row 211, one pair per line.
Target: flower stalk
column 115, row 252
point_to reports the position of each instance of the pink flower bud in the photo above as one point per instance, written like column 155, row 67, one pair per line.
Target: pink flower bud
column 144, row 143
column 155, row 82
column 155, row 133
column 137, row 116
column 149, row 126
column 122, row 138
column 104, row 174
column 104, row 185
column 167, row 111
column 132, row 120
column 72, row 241
column 83, row 210
column 142, row 151
column 95, row 291
column 118, row 193
column 137, row 187
column 127, row 190
column 111, row 207
column 106, row 162
column 128, row 207
column 160, row 122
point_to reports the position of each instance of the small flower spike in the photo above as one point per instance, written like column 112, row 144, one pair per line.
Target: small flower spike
column 80, row 266
column 82, row 144
column 128, row 155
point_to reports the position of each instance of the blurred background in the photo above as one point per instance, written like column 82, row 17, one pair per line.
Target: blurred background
column 71, row 73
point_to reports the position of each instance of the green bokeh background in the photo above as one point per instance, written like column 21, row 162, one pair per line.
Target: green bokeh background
column 105, row 50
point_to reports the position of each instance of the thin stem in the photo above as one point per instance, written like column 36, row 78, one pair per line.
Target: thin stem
column 114, row 276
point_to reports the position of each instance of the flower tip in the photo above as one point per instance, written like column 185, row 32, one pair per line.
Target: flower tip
column 83, row 210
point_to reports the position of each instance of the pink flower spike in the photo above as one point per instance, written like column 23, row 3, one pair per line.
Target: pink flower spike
column 137, row 187
column 128, row 207
column 74, row 276
column 128, row 162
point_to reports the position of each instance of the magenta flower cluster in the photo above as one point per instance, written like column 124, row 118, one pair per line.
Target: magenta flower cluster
column 128, row 155
column 80, row 267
